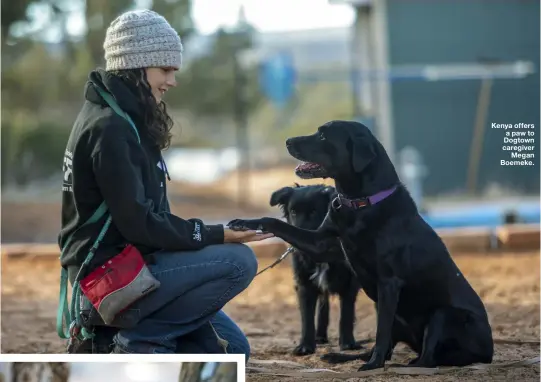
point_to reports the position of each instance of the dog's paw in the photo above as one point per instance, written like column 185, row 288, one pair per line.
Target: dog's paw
column 245, row 225
column 353, row 345
column 365, row 356
column 418, row 362
column 320, row 340
column 303, row 349
column 335, row 358
column 371, row 366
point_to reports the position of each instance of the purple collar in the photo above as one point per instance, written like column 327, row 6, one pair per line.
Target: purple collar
column 355, row 204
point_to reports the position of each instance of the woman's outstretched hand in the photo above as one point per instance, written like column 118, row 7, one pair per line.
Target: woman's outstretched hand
column 231, row 236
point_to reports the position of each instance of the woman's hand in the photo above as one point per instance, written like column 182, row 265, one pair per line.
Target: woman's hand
column 231, row 236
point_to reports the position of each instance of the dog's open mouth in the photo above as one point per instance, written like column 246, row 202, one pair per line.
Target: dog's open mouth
column 309, row 170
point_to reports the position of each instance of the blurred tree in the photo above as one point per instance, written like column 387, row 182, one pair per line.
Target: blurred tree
column 191, row 371
column 40, row 371
column 18, row 13
column 98, row 15
column 179, row 15
column 208, row 84
column 225, row 372
column 208, row 372
column 12, row 12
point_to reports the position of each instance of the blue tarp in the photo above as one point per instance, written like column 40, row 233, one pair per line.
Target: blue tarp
column 488, row 215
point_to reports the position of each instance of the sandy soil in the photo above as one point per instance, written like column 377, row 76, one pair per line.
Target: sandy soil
column 267, row 311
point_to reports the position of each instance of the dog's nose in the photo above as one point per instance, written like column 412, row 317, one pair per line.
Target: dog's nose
column 288, row 142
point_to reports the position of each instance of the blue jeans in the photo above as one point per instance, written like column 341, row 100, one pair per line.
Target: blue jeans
column 195, row 286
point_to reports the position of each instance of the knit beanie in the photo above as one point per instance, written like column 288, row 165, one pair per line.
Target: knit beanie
column 141, row 39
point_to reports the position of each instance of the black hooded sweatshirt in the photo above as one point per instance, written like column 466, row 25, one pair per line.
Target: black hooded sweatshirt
column 104, row 161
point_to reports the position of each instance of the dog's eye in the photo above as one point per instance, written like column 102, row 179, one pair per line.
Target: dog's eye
column 293, row 213
column 321, row 136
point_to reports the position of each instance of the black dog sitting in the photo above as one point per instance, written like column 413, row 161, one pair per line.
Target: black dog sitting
column 306, row 207
column 422, row 297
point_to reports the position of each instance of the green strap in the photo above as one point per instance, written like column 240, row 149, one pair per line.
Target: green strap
column 72, row 316
column 62, row 311
column 111, row 101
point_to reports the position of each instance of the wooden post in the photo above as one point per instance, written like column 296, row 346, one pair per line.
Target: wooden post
column 476, row 148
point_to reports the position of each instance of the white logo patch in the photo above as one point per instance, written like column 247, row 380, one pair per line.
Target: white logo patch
column 197, row 232
column 67, row 169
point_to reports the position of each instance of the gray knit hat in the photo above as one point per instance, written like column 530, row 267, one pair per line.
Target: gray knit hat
column 141, row 39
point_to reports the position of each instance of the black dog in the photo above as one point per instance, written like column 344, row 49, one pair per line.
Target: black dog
column 306, row 207
column 422, row 297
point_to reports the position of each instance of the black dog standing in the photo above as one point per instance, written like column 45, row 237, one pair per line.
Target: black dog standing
column 306, row 207
column 422, row 297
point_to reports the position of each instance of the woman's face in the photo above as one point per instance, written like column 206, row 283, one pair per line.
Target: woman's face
column 160, row 80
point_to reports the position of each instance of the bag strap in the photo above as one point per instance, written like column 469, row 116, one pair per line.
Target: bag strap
column 62, row 311
column 64, row 314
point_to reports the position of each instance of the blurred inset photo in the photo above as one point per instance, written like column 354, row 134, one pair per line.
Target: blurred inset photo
column 118, row 371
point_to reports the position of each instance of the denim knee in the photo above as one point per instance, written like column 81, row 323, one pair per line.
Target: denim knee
column 241, row 346
column 245, row 257
column 245, row 349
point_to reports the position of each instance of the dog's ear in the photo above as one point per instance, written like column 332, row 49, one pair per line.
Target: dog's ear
column 362, row 153
column 281, row 196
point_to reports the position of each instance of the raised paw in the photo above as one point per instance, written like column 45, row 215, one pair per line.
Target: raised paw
column 352, row 345
column 244, row 225
column 303, row 349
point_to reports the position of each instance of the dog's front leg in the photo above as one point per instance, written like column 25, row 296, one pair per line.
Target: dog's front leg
column 347, row 321
column 307, row 296
column 315, row 242
column 388, row 295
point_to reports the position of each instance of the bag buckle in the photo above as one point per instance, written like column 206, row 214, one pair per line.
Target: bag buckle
column 74, row 330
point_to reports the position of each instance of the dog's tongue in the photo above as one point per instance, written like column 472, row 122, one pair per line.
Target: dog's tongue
column 300, row 166
column 305, row 166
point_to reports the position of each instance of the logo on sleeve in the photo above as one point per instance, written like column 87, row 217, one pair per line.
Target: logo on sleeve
column 67, row 169
column 197, row 232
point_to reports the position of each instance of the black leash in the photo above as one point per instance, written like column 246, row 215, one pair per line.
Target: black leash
column 284, row 255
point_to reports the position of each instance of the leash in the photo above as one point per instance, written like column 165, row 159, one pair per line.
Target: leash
column 280, row 259
column 221, row 341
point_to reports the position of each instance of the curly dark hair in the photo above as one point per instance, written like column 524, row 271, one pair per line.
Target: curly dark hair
column 157, row 121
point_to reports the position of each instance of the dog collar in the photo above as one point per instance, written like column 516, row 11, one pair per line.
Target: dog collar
column 355, row 204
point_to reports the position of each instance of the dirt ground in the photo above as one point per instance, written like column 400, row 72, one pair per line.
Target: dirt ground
column 267, row 312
